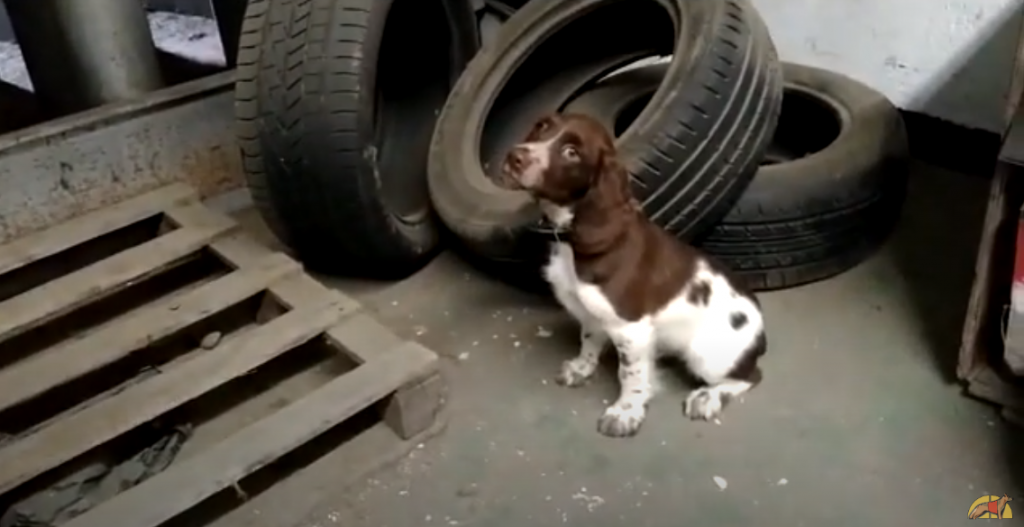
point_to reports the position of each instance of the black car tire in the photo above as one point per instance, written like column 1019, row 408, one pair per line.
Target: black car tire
column 691, row 152
column 829, row 191
column 335, row 109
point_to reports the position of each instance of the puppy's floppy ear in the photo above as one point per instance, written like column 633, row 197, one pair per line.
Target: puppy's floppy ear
column 612, row 175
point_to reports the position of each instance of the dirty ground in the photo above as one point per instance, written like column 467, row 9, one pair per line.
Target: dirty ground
column 858, row 421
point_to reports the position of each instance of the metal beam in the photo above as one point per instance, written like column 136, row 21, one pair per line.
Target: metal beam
column 85, row 53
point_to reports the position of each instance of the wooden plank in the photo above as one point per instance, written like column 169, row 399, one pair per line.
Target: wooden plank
column 185, row 484
column 972, row 339
column 133, row 332
column 237, row 250
column 304, row 288
column 97, row 424
column 297, row 291
column 986, row 384
column 204, row 216
column 34, row 247
column 361, row 337
column 414, row 407
column 62, row 295
column 1013, row 96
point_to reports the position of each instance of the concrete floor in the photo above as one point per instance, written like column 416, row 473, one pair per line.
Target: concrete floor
column 858, row 421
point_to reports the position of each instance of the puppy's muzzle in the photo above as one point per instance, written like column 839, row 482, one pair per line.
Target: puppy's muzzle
column 516, row 162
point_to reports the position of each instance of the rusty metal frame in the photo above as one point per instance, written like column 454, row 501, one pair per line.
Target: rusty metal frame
column 69, row 166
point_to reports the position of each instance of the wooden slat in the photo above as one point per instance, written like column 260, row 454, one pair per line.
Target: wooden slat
column 295, row 292
column 97, row 424
column 185, row 484
column 985, row 383
column 973, row 336
column 240, row 249
column 62, row 295
column 70, row 360
column 243, row 249
column 362, row 338
column 34, row 247
column 1013, row 95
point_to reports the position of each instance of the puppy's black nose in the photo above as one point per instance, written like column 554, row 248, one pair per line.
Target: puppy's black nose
column 518, row 159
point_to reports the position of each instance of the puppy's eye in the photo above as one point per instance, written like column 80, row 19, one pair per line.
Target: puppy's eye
column 570, row 153
column 542, row 125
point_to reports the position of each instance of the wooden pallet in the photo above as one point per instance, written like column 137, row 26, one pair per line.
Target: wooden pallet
column 982, row 363
column 399, row 376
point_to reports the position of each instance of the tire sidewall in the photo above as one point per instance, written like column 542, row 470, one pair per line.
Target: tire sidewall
column 871, row 136
column 473, row 207
column 852, row 166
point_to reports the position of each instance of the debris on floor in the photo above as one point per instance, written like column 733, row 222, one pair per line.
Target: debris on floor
column 94, row 484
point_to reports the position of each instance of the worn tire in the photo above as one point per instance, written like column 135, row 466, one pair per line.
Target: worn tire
column 691, row 152
column 334, row 122
column 833, row 193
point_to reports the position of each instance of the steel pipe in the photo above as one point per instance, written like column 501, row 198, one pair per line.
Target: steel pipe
column 85, row 53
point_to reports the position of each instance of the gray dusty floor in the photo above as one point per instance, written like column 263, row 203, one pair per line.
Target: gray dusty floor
column 858, row 421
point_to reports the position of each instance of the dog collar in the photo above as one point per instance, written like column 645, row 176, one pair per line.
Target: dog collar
column 552, row 231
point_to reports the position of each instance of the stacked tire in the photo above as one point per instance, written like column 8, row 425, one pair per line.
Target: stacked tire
column 334, row 110
column 828, row 191
column 788, row 174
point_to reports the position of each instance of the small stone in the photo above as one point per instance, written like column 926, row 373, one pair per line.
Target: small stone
column 543, row 332
column 211, row 340
column 464, row 355
column 782, row 482
column 721, row 482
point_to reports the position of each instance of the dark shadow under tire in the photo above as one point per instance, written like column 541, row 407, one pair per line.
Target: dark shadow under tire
column 336, row 102
column 691, row 151
column 829, row 190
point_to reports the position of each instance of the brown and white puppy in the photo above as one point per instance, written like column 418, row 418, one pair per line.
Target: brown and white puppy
column 628, row 281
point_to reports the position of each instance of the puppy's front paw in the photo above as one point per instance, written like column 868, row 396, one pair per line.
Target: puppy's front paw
column 574, row 373
column 703, row 403
column 621, row 420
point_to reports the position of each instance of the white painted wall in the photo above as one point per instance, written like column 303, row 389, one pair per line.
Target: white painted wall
column 946, row 58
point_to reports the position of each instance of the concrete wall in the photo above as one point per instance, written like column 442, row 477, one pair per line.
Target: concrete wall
column 945, row 58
